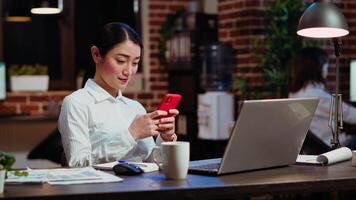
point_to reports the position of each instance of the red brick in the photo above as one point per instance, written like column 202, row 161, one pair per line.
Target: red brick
column 350, row 14
column 242, row 50
column 57, row 98
column 158, row 15
column 154, row 104
column 158, row 6
column 159, row 87
column 231, row 15
column 16, row 99
column 155, row 22
column 351, row 6
column 7, row 108
column 176, row 7
column 249, row 22
column 154, row 39
column 145, row 96
column 225, row 7
column 157, row 71
column 253, row 3
column 223, row 34
column 39, row 98
column 242, row 41
column 229, row 24
column 153, row 45
column 251, row 13
column 29, row 108
column 129, row 95
column 154, row 55
column 160, row 95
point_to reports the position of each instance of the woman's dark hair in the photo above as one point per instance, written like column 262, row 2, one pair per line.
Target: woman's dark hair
column 114, row 33
column 107, row 37
column 308, row 67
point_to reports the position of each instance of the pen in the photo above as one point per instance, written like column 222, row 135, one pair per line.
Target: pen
column 139, row 164
column 135, row 164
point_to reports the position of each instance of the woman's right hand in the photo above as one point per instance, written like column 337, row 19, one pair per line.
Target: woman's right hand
column 146, row 125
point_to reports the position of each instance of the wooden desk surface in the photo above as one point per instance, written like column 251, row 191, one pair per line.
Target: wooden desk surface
column 294, row 178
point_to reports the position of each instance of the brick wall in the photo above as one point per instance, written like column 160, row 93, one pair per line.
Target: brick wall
column 349, row 45
column 241, row 21
column 158, row 10
column 42, row 103
column 33, row 103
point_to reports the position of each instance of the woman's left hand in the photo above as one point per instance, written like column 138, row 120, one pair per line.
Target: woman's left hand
column 166, row 126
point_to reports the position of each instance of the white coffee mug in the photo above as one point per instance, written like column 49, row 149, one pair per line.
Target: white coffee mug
column 173, row 158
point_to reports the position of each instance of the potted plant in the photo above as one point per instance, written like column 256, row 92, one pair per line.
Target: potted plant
column 6, row 162
column 28, row 77
column 276, row 51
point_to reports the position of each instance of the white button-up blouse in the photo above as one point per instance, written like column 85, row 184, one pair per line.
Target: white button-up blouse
column 94, row 128
column 319, row 125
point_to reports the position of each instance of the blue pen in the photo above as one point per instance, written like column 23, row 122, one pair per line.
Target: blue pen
column 136, row 164
column 122, row 161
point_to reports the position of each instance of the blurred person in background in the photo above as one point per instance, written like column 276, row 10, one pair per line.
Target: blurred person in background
column 309, row 72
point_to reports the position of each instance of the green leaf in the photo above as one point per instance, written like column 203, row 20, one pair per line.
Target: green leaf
column 21, row 173
column 27, row 69
column 278, row 49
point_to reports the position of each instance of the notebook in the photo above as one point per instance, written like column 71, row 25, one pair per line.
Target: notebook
column 267, row 133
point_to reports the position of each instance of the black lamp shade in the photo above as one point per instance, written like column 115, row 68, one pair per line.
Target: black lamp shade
column 322, row 20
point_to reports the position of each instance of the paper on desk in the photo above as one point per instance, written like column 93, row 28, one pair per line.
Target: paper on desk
column 334, row 156
column 34, row 176
column 70, row 174
column 63, row 176
column 145, row 166
column 100, row 177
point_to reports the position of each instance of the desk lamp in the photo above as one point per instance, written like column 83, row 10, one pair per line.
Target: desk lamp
column 47, row 7
column 324, row 20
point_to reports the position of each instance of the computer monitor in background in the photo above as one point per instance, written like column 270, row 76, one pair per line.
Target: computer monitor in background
column 2, row 81
column 353, row 81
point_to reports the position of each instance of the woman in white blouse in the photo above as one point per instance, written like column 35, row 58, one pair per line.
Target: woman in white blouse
column 308, row 80
column 97, row 123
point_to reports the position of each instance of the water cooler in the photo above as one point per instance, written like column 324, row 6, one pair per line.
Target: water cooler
column 216, row 105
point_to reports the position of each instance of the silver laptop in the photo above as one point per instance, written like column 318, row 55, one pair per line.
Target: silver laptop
column 267, row 133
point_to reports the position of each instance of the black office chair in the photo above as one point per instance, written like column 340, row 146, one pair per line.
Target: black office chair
column 313, row 145
column 50, row 148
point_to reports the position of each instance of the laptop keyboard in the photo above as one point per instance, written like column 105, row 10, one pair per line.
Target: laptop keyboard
column 207, row 167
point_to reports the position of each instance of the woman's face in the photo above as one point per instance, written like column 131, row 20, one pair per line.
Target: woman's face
column 117, row 68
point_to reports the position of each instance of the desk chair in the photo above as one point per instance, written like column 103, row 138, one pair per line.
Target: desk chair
column 313, row 145
column 50, row 148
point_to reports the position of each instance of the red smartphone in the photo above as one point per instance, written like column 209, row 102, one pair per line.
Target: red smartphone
column 169, row 101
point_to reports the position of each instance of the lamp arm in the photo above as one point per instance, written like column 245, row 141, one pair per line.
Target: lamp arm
column 336, row 111
column 337, row 46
